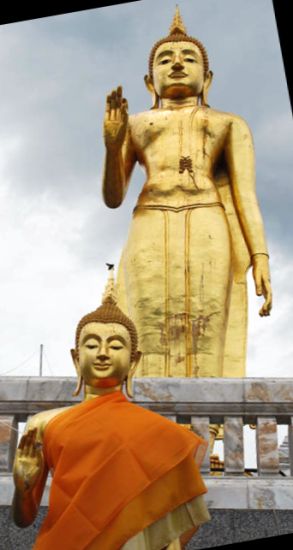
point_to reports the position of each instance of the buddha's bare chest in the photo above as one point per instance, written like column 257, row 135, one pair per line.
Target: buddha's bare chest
column 185, row 129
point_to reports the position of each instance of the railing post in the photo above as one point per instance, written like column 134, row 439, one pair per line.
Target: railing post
column 8, row 442
column 233, row 445
column 200, row 425
column 267, row 446
column 290, row 444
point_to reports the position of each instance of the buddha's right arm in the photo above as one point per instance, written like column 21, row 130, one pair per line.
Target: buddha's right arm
column 25, row 504
column 119, row 164
column 30, row 474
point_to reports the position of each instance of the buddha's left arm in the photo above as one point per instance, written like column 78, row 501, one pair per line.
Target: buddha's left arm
column 239, row 152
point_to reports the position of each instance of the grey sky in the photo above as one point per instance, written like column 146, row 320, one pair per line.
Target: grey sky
column 56, row 233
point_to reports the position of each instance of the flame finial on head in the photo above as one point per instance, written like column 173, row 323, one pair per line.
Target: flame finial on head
column 177, row 25
column 109, row 295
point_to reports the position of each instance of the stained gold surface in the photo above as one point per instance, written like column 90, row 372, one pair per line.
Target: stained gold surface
column 196, row 227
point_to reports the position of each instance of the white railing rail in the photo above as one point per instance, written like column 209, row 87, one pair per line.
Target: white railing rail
column 234, row 403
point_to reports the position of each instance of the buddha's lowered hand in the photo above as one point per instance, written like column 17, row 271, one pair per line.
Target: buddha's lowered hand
column 261, row 275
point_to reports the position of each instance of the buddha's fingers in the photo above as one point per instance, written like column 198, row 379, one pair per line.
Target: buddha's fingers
column 108, row 108
column 267, row 306
column 119, row 97
column 22, row 443
column 258, row 284
column 124, row 110
column 124, row 105
column 32, row 449
column 263, row 312
column 113, row 105
column 28, row 439
column 26, row 446
column 267, row 292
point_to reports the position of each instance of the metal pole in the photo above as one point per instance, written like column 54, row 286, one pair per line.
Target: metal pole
column 41, row 360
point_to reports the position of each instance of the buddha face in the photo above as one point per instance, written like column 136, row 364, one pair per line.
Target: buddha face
column 178, row 70
column 104, row 354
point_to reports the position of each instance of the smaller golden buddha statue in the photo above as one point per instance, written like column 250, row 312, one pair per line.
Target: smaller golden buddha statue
column 122, row 477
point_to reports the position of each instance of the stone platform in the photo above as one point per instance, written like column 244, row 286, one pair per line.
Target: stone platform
column 225, row 527
column 242, row 508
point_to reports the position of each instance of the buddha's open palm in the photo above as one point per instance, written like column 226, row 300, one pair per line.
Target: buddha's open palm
column 29, row 462
column 116, row 119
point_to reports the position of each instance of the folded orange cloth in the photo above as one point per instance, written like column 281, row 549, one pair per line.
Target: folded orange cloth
column 103, row 454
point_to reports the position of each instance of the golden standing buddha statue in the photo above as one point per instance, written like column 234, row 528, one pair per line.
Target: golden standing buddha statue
column 196, row 227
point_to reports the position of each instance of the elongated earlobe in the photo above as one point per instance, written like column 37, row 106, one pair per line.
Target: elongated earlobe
column 128, row 379
column 128, row 386
column 150, row 86
column 78, row 386
column 205, row 90
column 79, row 379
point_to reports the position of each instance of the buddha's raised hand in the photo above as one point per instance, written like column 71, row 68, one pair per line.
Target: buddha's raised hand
column 29, row 462
column 116, row 119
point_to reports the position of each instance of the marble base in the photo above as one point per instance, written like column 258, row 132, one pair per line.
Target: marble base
column 223, row 493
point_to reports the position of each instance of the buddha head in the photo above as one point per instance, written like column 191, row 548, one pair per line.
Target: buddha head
column 178, row 66
column 105, row 354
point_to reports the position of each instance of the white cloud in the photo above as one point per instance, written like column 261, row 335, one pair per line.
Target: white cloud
column 274, row 136
column 270, row 344
column 55, row 232
column 44, row 288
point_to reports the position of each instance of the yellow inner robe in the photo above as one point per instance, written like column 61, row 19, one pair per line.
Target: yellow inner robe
column 175, row 281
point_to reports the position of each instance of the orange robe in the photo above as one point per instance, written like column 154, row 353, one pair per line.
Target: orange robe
column 117, row 468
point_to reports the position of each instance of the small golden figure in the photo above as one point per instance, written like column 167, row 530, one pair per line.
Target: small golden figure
column 122, row 477
column 196, row 227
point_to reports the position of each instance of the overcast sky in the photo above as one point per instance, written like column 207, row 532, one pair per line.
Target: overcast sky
column 56, row 232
